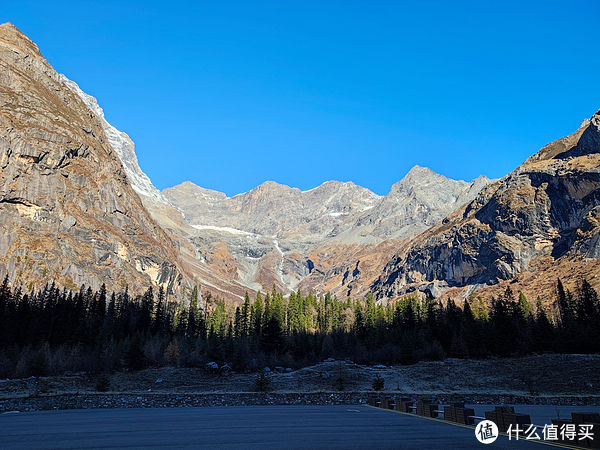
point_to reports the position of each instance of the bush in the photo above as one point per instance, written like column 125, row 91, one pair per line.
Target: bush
column 262, row 382
column 171, row 355
column 32, row 362
column 103, row 383
column 134, row 354
column 378, row 383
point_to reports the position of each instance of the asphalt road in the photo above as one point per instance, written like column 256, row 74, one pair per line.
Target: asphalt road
column 236, row 427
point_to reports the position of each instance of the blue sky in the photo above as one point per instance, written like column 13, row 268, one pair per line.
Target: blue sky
column 230, row 94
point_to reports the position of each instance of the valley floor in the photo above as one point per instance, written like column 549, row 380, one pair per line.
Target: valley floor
column 548, row 375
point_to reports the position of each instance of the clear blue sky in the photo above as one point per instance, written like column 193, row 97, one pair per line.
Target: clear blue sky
column 230, row 94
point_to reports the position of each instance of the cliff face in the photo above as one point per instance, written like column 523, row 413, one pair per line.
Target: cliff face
column 122, row 144
column 548, row 209
column 67, row 209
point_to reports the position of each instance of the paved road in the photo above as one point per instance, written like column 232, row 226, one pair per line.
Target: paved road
column 235, row 427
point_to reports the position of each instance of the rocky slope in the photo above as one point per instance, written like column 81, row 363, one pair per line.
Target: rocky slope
column 260, row 238
column 542, row 218
column 67, row 209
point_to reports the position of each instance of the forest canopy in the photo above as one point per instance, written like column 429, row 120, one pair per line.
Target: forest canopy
column 51, row 331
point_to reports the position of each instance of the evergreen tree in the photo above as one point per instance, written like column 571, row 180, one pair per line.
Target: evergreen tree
column 192, row 328
column 257, row 315
column 566, row 307
column 525, row 308
column 159, row 324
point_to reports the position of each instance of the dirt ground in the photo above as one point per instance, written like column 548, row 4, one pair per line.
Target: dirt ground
column 538, row 375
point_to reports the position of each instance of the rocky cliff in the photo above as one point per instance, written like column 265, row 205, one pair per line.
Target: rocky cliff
column 545, row 214
column 68, row 211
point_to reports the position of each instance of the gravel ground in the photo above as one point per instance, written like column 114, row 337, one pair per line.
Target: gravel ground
column 543, row 379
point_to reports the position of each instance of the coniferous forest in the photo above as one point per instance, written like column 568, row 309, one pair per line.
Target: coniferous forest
column 51, row 331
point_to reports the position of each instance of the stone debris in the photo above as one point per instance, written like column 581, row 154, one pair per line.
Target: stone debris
column 165, row 400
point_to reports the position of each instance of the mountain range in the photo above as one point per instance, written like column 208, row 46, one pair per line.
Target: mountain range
column 75, row 208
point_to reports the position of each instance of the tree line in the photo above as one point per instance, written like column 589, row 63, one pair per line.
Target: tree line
column 51, row 331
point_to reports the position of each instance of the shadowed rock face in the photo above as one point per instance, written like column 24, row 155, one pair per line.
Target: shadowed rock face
column 548, row 207
column 67, row 210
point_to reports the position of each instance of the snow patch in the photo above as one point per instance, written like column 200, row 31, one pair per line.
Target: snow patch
column 225, row 229
column 280, row 268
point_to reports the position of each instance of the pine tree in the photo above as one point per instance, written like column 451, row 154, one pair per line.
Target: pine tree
column 525, row 307
column 159, row 323
column 134, row 355
column 566, row 307
column 543, row 328
column 181, row 318
column 192, row 329
column 245, row 316
column 588, row 307
column 147, row 306
column 257, row 315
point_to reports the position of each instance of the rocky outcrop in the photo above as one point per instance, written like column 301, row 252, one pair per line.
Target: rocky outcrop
column 547, row 208
column 68, row 212
column 260, row 238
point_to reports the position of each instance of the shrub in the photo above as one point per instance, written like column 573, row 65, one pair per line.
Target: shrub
column 171, row 355
column 103, row 383
column 378, row 383
column 32, row 362
column 134, row 354
column 262, row 382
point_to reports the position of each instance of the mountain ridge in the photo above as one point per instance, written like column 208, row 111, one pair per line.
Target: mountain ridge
column 77, row 208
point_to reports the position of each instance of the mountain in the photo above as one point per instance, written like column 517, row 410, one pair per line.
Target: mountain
column 68, row 211
column 273, row 209
column 76, row 208
column 260, row 238
column 275, row 234
column 421, row 199
column 539, row 222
